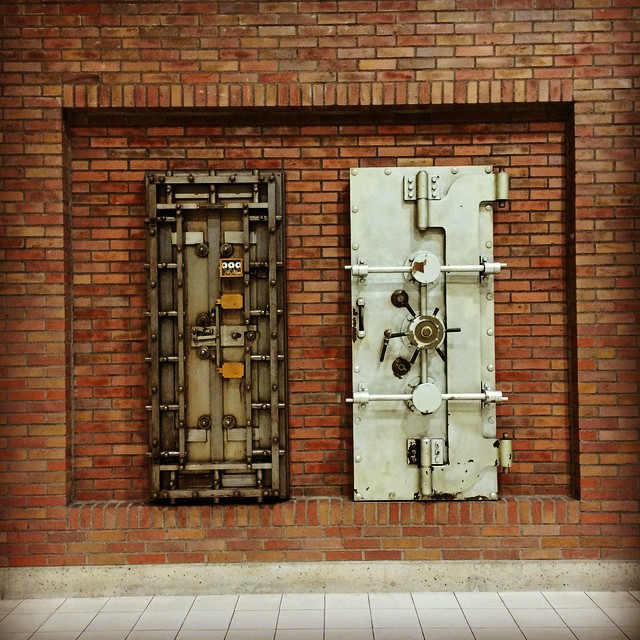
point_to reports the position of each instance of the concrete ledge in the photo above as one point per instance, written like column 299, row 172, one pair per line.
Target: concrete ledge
column 314, row 577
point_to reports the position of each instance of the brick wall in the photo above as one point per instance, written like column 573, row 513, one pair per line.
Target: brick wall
column 95, row 94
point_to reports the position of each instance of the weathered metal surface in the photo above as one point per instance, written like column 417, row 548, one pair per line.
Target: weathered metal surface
column 217, row 336
column 424, row 397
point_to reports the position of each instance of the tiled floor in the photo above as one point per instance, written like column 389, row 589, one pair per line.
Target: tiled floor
column 549, row 615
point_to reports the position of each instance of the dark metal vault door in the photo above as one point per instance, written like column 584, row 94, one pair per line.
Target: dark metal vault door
column 217, row 336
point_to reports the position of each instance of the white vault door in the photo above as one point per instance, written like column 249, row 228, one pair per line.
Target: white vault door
column 422, row 272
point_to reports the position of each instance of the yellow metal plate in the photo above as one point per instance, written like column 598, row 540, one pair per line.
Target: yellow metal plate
column 230, row 301
column 232, row 370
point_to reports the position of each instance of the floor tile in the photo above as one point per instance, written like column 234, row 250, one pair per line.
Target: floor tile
column 585, row 618
column 624, row 616
column 550, row 633
column 193, row 634
column 160, row 620
column 214, row 603
column 348, row 634
column 524, row 600
column 249, row 634
column 443, row 618
column 347, row 601
column 347, row 619
column 435, row 599
column 391, row 601
column 301, row 619
column 613, row 599
column 120, row 634
column 259, row 602
column 494, row 618
column 537, row 618
column 170, row 603
column 413, row 633
column 394, row 619
column 15, row 636
column 304, row 601
column 299, row 634
column 207, row 620
column 254, row 619
column 156, row 634
column 67, row 622
column 633, row 633
column 599, row 633
column 569, row 599
column 22, row 622
column 39, row 605
column 114, row 621
column 126, row 604
column 448, row 634
column 479, row 600
column 498, row 633
column 80, row 605
column 7, row 606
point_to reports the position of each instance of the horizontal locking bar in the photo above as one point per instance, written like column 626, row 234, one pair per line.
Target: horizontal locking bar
column 364, row 397
column 363, row 270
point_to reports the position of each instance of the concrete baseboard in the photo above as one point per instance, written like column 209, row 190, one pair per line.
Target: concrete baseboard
column 314, row 577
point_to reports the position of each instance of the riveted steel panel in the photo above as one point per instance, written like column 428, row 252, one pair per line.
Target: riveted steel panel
column 217, row 336
column 424, row 419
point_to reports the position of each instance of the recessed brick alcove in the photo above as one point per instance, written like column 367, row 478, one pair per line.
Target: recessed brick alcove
column 110, row 154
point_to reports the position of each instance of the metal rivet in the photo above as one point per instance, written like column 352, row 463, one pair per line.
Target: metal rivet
column 354, row 172
column 274, row 334
column 454, row 169
column 354, row 209
column 491, row 419
column 489, row 332
column 489, row 367
column 489, row 296
column 488, row 245
column 434, row 179
column 488, row 169
column 358, row 458
column 392, row 496
column 356, row 369
column 355, row 246
column 387, row 172
column 493, row 495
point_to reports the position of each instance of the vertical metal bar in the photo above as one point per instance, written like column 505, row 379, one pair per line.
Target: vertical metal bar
column 273, row 339
column 216, row 400
column 182, row 427
column 250, row 388
column 154, row 372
